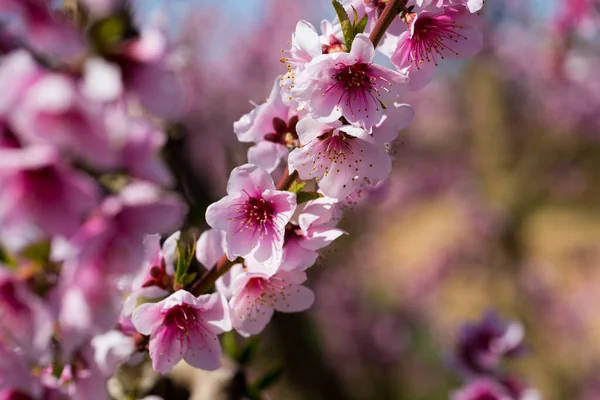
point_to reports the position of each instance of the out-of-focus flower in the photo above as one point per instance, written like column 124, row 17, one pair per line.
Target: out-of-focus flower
column 41, row 196
column 484, row 389
column 483, row 345
column 34, row 23
column 184, row 326
column 106, row 250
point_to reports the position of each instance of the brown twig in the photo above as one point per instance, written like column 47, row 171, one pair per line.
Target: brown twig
column 391, row 11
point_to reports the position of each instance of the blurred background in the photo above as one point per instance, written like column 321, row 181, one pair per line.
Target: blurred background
column 494, row 203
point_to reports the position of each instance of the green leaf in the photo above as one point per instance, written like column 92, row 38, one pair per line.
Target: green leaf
column 268, row 379
column 249, row 351
column 303, row 197
column 108, row 32
column 297, row 186
column 355, row 15
column 339, row 10
column 188, row 279
column 39, row 252
column 181, row 257
column 347, row 26
column 348, row 30
column 361, row 25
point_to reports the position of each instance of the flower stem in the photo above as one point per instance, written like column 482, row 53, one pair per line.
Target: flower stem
column 209, row 278
column 391, row 11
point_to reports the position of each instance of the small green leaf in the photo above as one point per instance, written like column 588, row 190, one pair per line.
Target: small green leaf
column 340, row 11
column 297, row 186
column 303, row 197
column 188, row 279
column 355, row 15
column 249, row 351
column 361, row 25
column 181, row 258
column 348, row 30
column 268, row 379
column 39, row 252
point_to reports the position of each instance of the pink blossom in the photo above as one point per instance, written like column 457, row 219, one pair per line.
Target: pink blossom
column 26, row 329
column 340, row 157
column 315, row 230
column 86, row 376
column 332, row 38
column 15, row 376
column 114, row 235
column 106, row 250
column 148, row 73
column 26, row 325
column 483, row 389
column 306, row 45
column 272, row 126
column 483, row 345
column 209, row 249
column 52, row 110
column 18, row 71
column 347, row 85
column 373, row 9
column 256, row 296
column 140, row 143
column 433, row 35
column 184, row 326
column 472, row 5
column 41, row 196
column 155, row 278
column 253, row 215
column 42, row 29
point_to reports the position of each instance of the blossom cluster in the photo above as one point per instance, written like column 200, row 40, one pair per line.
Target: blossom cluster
column 481, row 349
column 86, row 283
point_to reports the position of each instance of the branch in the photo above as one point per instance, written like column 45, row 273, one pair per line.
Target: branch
column 391, row 11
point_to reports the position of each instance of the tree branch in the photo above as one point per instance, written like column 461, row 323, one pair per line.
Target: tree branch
column 391, row 11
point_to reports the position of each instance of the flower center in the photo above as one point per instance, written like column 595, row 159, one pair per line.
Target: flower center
column 181, row 317
column 284, row 133
column 158, row 277
column 256, row 214
column 354, row 77
column 433, row 36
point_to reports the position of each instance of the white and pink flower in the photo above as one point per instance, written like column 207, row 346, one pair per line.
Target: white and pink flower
column 435, row 34
column 184, row 326
column 347, row 85
column 256, row 296
column 253, row 215
column 272, row 126
column 314, row 230
column 340, row 157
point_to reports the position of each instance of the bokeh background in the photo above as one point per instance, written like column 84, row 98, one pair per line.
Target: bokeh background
column 494, row 201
